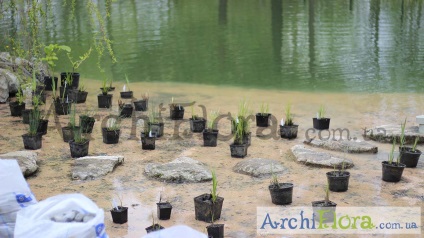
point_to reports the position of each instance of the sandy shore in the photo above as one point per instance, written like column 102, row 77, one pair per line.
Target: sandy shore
column 243, row 194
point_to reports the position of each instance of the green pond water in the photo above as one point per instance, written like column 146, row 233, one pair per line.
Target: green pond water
column 311, row 45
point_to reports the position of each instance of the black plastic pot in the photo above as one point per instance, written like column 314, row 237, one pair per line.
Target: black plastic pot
column 77, row 96
column 154, row 228
column 215, row 231
column 68, row 133
column 79, row 149
column 281, row 194
column 25, row 115
column 328, row 209
column 289, row 132
column 104, row 100
column 321, row 124
column 147, row 142
column 205, row 209
column 262, row 120
column 338, row 181
column 210, row 137
column 32, row 142
column 408, row 157
column 157, row 128
column 164, row 210
column 392, row 172
column 141, row 105
column 197, row 125
column 176, row 112
column 126, row 111
column 110, row 137
column 120, row 215
column 75, row 79
column 87, row 124
column 62, row 107
column 127, row 94
column 16, row 109
column 48, row 83
column 238, row 150
column 42, row 126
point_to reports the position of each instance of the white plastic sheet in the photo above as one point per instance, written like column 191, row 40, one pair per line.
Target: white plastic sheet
column 179, row 231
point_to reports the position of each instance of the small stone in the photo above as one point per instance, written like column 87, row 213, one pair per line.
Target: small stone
column 79, row 217
column 316, row 158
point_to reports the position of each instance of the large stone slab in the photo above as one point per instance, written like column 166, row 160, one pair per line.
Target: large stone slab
column 259, row 167
column 386, row 133
column 92, row 167
column 316, row 158
column 343, row 145
column 27, row 161
column 182, row 169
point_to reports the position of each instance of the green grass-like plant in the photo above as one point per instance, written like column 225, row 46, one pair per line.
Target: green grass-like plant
column 34, row 121
column 128, row 82
column 105, row 86
column 392, row 153
column 113, row 124
column 78, row 136
column 214, row 193
column 20, row 97
column 327, row 194
column 72, row 115
column 402, row 139
column 211, row 124
column 274, row 179
column 321, row 112
column 415, row 143
column 264, row 109
column 289, row 117
column 239, row 133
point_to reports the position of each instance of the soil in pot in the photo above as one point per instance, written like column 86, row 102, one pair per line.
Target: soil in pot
column 61, row 107
column 32, row 142
column 87, row 124
column 16, row 109
column 262, row 120
column 110, row 136
column 157, row 128
column 164, row 210
column 338, row 181
column 289, row 132
column 147, row 142
column 392, row 172
column 75, row 79
column 48, row 83
column 127, row 94
column 408, row 157
column 197, row 124
column 210, row 137
column 42, row 126
column 205, row 209
column 25, row 115
column 324, row 210
column 68, row 133
column 281, row 194
column 120, row 215
column 176, row 112
column 321, row 124
column 104, row 100
column 155, row 227
column 79, row 149
column 238, row 150
column 215, row 231
column 141, row 105
column 126, row 111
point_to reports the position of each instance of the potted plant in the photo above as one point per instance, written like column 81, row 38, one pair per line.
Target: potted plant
column 176, row 111
column 154, row 227
column 119, row 213
column 392, row 171
column 288, row 129
column 17, row 106
column 164, row 209
column 125, row 109
column 111, row 132
column 262, row 118
column 338, row 180
column 71, row 79
column 148, row 138
column 142, row 105
column 87, row 121
column 215, row 230
column 104, row 99
column 324, row 210
column 208, row 206
column 33, row 140
column 50, row 58
column 210, row 134
column 321, row 122
column 78, row 95
column 79, row 145
column 68, row 131
column 242, row 117
column 126, row 92
column 239, row 147
column 409, row 156
column 281, row 193
column 197, row 124
column 155, row 124
column 108, row 88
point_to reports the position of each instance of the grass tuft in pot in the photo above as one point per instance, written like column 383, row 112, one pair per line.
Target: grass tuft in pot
column 119, row 213
column 392, row 170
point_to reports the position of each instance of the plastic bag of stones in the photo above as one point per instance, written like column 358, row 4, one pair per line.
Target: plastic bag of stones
column 68, row 215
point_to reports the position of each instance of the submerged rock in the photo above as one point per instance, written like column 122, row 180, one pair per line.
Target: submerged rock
column 386, row 133
column 343, row 145
column 182, row 169
column 27, row 161
column 258, row 167
column 91, row 167
column 316, row 158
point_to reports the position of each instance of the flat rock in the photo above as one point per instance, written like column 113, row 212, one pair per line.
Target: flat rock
column 92, row 167
column 316, row 158
column 258, row 167
column 386, row 133
column 182, row 169
column 343, row 145
column 27, row 161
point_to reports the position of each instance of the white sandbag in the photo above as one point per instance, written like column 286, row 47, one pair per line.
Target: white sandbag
column 6, row 230
column 38, row 220
column 179, row 231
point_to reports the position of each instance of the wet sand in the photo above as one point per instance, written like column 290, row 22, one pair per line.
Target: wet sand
column 242, row 194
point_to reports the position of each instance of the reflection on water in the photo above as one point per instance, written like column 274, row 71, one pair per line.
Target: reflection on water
column 358, row 46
